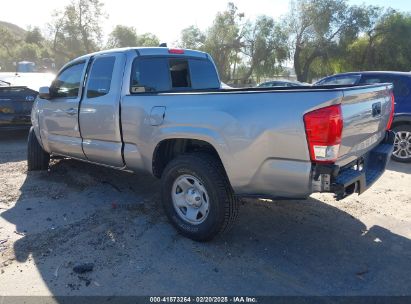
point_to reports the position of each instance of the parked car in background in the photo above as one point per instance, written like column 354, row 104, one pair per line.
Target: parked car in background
column 281, row 83
column 17, row 94
column 31, row 80
column 402, row 93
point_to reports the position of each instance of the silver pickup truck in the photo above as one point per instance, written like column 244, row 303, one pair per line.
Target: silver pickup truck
column 163, row 111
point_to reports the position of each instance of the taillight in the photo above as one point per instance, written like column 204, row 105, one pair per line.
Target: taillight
column 389, row 124
column 176, row 51
column 323, row 128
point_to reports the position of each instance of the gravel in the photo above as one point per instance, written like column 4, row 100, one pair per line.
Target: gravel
column 81, row 213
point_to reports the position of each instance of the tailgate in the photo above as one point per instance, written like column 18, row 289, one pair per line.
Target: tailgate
column 366, row 111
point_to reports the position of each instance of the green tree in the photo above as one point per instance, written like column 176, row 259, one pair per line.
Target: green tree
column 122, row 36
column 223, row 40
column 265, row 46
column 147, row 39
column 28, row 51
column 34, row 36
column 8, row 41
column 319, row 28
column 192, row 38
column 76, row 30
column 384, row 46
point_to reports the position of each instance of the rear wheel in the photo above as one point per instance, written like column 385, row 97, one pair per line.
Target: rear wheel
column 37, row 158
column 197, row 197
column 402, row 144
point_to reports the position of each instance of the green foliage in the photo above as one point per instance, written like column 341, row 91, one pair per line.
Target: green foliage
column 321, row 37
column 31, row 47
column 192, row 38
column 223, row 40
column 148, row 40
column 28, row 51
column 76, row 30
column 386, row 47
column 122, row 36
column 34, row 36
column 320, row 28
column 265, row 47
column 8, row 41
column 241, row 49
column 15, row 30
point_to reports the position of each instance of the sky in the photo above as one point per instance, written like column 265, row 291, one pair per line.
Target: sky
column 165, row 18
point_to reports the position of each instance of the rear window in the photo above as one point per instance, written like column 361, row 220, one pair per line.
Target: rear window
column 179, row 73
column 203, row 75
column 150, row 75
column 161, row 74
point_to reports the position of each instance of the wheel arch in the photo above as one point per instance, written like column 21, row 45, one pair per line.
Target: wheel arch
column 401, row 119
column 169, row 148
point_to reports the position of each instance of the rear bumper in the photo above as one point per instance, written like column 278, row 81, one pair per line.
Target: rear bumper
column 359, row 175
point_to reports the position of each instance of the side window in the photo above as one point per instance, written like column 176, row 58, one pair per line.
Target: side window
column 99, row 81
column 371, row 80
column 179, row 73
column 204, row 75
column 327, row 81
column 150, row 75
column 340, row 80
column 400, row 87
column 67, row 84
column 347, row 80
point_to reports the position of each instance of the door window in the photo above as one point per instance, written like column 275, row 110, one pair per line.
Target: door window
column 340, row 80
column 67, row 84
column 400, row 87
column 100, row 77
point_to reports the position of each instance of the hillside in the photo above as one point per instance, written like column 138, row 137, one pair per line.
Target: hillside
column 15, row 29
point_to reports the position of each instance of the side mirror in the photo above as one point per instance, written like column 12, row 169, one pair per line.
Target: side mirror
column 44, row 93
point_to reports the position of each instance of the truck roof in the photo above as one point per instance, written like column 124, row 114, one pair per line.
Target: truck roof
column 150, row 51
column 372, row 72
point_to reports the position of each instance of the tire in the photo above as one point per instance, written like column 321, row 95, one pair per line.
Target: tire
column 37, row 158
column 211, row 184
column 402, row 145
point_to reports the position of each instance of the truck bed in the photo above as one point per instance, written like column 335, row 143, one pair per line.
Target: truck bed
column 258, row 132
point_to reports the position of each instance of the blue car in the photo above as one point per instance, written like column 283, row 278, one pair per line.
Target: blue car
column 402, row 93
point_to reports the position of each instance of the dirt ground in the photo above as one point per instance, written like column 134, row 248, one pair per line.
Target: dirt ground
column 80, row 213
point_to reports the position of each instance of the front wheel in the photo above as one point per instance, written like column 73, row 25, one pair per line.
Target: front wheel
column 197, row 197
column 37, row 158
column 402, row 144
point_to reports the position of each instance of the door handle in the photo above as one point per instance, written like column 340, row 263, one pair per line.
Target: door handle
column 71, row 111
